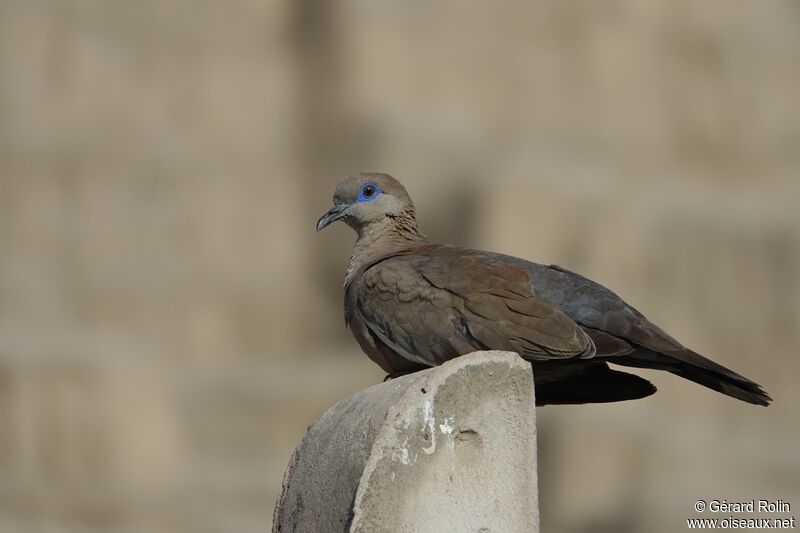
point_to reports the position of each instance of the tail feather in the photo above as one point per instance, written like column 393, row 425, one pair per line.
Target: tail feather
column 694, row 367
column 747, row 391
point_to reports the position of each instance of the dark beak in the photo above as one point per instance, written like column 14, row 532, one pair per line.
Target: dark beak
column 334, row 213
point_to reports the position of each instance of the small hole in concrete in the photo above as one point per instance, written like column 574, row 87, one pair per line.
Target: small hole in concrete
column 424, row 390
column 467, row 435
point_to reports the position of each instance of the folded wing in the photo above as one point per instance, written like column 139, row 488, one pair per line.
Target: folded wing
column 435, row 305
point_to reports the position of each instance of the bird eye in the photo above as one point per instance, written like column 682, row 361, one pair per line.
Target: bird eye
column 368, row 192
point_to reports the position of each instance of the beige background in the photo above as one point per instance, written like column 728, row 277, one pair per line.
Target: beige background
column 170, row 323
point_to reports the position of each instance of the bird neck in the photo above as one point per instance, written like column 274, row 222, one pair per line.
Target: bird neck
column 382, row 238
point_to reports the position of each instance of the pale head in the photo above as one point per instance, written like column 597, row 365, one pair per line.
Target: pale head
column 367, row 198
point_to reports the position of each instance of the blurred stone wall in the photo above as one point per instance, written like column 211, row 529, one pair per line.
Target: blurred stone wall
column 170, row 323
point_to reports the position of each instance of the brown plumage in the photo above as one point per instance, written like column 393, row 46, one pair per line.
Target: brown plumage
column 412, row 303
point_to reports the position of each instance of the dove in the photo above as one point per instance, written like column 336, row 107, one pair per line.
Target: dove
column 412, row 303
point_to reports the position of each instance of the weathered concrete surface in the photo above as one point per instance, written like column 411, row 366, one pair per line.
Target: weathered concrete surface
column 449, row 449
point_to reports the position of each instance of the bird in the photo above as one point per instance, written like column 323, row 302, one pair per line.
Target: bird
column 412, row 303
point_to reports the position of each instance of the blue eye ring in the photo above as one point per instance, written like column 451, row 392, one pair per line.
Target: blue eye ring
column 368, row 191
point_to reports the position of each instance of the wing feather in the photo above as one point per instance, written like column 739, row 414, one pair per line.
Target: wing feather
column 430, row 308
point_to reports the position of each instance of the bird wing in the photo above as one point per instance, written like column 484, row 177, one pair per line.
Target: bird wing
column 439, row 303
column 609, row 320
column 625, row 335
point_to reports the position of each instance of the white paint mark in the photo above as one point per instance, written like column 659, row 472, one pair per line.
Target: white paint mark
column 429, row 423
column 447, row 430
column 447, row 427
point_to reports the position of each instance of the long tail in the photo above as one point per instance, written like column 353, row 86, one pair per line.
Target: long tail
column 694, row 367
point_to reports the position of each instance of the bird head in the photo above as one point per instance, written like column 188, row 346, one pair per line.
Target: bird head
column 366, row 199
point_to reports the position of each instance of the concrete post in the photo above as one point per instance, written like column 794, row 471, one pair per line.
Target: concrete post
column 452, row 448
